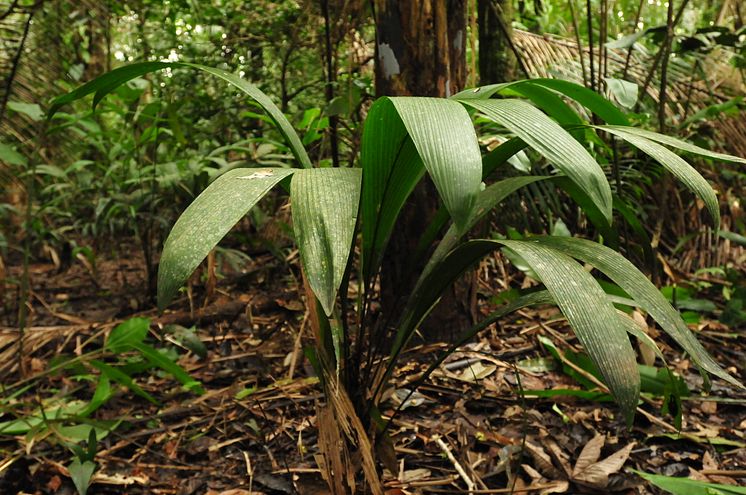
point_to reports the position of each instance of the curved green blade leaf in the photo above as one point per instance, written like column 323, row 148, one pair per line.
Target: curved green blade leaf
column 586, row 97
column 123, row 378
column 220, row 206
column 285, row 128
column 548, row 101
column 623, row 91
column 553, row 142
column 392, row 168
column 591, row 315
column 325, row 204
column 108, row 82
column 672, row 162
column 687, row 486
column 444, row 136
column 678, row 143
column 623, row 273
column 575, row 291
column 490, row 162
column 170, row 367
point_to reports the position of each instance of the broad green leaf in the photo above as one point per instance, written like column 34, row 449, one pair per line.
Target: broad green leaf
column 626, row 41
column 624, row 92
column 122, row 378
column 108, row 82
column 677, row 143
column 32, row 110
column 206, row 221
column 81, row 473
column 20, row 426
column 392, row 168
column 188, row 338
column 482, row 92
column 686, row 486
column 444, row 136
column 677, row 166
column 733, row 237
column 127, row 334
column 552, row 141
column 623, row 273
column 84, row 432
column 592, row 317
column 159, row 360
column 9, row 155
column 574, row 290
column 325, row 206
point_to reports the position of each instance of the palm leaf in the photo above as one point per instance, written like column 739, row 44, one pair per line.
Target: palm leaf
column 623, row 273
column 206, row 221
column 553, row 142
column 105, row 84
column 672, row 162
column 325, row 205
column 592, row 317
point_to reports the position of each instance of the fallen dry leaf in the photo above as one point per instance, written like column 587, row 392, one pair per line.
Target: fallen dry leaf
column 597, row 475
column 589, row 455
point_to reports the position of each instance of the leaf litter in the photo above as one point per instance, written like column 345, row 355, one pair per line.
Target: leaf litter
column 254, row 430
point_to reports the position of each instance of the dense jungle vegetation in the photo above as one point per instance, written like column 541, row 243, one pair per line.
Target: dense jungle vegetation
column 384, row 246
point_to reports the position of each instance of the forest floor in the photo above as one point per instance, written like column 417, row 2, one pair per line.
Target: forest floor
column 254, row 428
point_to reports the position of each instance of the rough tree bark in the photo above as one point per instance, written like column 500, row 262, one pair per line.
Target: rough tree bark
column 420, row 51
column 420, row 47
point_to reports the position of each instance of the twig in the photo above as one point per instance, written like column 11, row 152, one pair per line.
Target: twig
column 459, row 469
column 249, row 469
column 330, row 80
column 664, row 67
column 578, row 41
column 725, row 472
column 589, row 17
column 297, row 347
column 659, row 56
column 605, row 389
column 631, row 47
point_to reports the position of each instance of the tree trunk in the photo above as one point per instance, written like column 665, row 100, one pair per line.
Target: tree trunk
column 420, row 51
column 497, row 62
column 420, row 47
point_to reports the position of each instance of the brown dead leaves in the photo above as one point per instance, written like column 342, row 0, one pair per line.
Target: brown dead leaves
column 551, row 465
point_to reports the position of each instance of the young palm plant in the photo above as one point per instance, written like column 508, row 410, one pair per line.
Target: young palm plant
column 336, row 209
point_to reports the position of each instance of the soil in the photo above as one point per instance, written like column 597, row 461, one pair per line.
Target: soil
column 254, row 430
